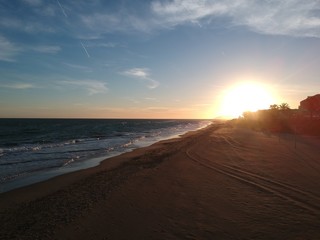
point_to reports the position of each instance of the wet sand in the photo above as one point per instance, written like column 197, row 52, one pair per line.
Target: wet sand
column 221, row 182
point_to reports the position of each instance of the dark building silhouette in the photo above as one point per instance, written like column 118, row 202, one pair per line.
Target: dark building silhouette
column 311, row 105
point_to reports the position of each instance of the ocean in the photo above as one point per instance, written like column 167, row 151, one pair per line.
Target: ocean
column 34, row 150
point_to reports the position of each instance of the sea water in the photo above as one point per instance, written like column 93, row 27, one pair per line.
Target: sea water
column 33, row 150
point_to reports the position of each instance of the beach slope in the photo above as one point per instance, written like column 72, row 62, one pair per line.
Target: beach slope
column 221, row 182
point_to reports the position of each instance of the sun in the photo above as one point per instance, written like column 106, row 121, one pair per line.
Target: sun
column 246, row 96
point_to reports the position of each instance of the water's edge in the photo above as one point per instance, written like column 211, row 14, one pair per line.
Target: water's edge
column 89, row 163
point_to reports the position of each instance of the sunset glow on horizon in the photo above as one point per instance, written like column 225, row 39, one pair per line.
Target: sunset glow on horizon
column 156, row 59
column 245, row 96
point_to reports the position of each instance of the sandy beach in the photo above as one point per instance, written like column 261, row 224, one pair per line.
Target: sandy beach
column 221, row 182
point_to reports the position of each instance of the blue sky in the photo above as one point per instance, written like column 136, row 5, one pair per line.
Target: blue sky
column 152, row 59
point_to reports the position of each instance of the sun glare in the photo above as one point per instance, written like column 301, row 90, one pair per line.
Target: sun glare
column 245, row 97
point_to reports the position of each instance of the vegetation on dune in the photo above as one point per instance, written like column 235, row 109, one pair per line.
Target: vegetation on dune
column 280, row 119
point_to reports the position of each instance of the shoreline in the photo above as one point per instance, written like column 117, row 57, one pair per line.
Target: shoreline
column 46, row 175
column 54, row 183
column 220, row 182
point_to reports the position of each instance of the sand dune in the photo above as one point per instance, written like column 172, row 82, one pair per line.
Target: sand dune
column 221, row 182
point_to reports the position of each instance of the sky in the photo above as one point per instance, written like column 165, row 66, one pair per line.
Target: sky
column 152, row 58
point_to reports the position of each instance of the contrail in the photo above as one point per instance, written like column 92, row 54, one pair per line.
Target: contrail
column 64, row 13
column 84, row 48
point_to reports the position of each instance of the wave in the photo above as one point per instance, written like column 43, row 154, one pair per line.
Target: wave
column 77, row 142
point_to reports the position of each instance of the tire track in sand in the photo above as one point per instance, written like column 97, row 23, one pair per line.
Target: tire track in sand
column 282, row 184
column 282, row 190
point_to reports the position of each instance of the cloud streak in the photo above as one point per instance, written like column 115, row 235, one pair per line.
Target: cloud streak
column 142, row 74
column 273, row 17
column 79, row 67
column 288, row 17
column 25, row 26
column 18, row 86
column 8, row 50
column 172, row 13
column 33, row 2
column 92, row 86
column 47, row 49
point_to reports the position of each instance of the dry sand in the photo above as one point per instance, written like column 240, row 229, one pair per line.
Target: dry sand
column 221, row 182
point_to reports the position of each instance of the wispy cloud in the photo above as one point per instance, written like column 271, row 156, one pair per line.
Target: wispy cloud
column 18, row 85
column 121, row 21
column 103, row 22
column 274, row 17
column 143, row 74
column 288, row 17
column 8, row 50
column 181, row 11
column 91, row 20
column 42, row 8
column 25, row 26
column 47, row 10
column 33, row 2
column 79, row 67
column 46, row 49
column 92, row 86
column 103, row 44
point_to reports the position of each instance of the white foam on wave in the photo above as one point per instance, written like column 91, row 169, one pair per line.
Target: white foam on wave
column 75, row 154
column 37, row 148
